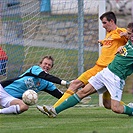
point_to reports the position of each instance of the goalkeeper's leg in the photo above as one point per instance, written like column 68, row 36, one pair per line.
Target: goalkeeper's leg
column 74, row 86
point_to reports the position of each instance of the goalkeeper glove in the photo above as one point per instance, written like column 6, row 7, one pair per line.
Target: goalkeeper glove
column 66, row 83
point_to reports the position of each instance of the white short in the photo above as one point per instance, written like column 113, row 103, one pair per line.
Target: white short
column 5, row 98
column 112, row 82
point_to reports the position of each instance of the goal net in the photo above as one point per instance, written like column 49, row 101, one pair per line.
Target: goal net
column 64, row 29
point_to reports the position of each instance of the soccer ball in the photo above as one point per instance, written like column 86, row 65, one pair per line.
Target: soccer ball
column 30, row 97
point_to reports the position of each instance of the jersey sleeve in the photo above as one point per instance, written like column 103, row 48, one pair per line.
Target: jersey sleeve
column 37, row 70
column 49, row 77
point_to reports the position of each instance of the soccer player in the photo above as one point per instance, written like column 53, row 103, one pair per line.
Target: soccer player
column 35, row 78
column 112, row 77
column 110, row 44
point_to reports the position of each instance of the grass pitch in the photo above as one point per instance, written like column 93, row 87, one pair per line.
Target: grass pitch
column 73, row 120
column 78, row 120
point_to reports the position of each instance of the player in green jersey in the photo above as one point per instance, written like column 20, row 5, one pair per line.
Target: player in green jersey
column 113, row 77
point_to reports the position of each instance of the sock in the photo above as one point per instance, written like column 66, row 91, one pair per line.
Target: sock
column 128, row 110
column 67, row 94
column 70, row 102
column 13, row 109
column 122, row 103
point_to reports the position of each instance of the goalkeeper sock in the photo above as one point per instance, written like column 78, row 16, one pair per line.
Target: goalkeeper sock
column 128, row 110
column 13, row 109
column 70, row 102
column 67, row 94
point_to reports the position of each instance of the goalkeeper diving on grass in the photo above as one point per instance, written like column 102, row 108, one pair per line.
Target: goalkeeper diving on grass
column 35, row 78
column 111, row 79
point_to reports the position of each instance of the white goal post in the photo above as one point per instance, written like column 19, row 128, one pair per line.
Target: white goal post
column 102, row 5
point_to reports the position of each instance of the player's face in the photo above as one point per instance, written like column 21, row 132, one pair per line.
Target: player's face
column 108, row 25
column 46, row 65
column 130, row 34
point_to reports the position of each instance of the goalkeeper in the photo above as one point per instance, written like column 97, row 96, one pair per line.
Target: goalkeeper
column 113, row 77
column 36, row 78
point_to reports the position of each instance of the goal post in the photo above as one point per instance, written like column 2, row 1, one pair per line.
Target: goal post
column 102, row 5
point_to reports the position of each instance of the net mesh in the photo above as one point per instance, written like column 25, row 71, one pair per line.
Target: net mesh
column 33, row 29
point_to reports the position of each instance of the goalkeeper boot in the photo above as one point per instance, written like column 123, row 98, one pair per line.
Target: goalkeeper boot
column 130, row 105
column 50, row 110
column 40, row 108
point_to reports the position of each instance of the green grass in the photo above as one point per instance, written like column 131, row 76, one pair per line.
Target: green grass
column 78, row 120
column 74, row 120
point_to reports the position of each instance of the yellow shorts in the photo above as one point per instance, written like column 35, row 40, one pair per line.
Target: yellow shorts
column 89, row 73
column 92, row 72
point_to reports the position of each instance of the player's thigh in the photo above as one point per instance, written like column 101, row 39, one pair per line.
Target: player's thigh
column 113, row 84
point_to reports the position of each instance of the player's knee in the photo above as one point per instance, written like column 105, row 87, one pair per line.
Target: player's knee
column 23, row 107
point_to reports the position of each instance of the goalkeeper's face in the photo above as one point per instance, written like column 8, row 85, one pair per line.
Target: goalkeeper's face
column 46, row 65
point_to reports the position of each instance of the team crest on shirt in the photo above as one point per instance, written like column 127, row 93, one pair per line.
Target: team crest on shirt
column 30, row 84
column 124, row 51
column 107, row 43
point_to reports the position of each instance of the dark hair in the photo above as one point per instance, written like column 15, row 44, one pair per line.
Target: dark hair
column 110, row 16
column 130, row 26
column 48, row 57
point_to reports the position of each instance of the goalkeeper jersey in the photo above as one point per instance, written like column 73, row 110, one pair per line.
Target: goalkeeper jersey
column 110, row 44
column 31, row 79
column 122, row 65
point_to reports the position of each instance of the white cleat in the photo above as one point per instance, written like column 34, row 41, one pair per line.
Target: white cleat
column 130, row 105
column 40, row 108
column 50, row 110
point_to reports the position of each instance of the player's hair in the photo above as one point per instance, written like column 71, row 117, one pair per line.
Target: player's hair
column 48, row 57
column 130, row 26
column 110, row 16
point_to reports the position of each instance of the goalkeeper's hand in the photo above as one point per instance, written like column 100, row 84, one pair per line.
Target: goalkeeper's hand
column 66, row 83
